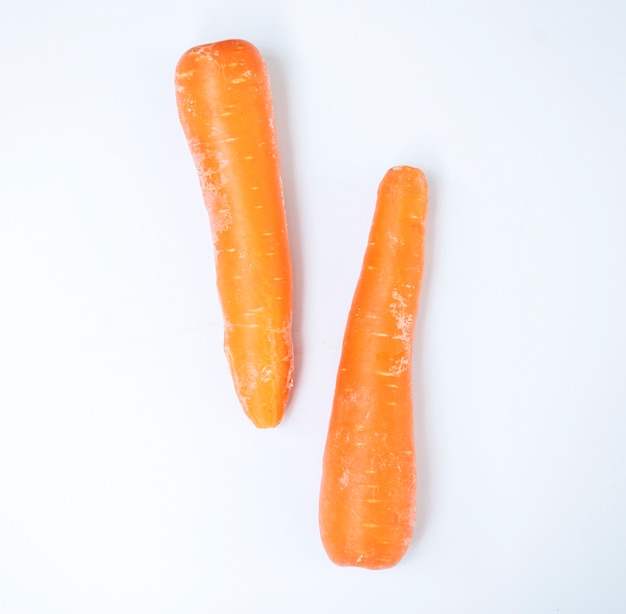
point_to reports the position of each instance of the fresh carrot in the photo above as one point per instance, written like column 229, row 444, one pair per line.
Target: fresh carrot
column 225, row 108
column 368, row 492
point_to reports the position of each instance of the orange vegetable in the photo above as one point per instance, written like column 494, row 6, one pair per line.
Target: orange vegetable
column 368, row 491
column 225, row 108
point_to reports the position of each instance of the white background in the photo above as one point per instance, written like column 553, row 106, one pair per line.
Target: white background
column 130, row 480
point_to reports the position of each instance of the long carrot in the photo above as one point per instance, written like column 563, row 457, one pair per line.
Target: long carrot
column 225, row 108
column 368, row 491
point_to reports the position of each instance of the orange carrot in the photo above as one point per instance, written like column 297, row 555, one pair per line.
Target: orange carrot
column 225, row 108
column 368, row 491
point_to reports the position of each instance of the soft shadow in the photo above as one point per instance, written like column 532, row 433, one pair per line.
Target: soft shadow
column 282, row 120
column 420, row 409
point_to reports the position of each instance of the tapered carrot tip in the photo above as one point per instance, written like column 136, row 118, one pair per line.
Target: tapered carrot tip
column 368, row 491
column 225, row 108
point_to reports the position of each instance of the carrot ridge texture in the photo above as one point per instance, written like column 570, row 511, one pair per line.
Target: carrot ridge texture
column 369, row 479
column 225, row 108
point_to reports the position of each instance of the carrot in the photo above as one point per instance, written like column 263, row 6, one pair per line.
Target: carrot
column 225, row 108
column 368, row 491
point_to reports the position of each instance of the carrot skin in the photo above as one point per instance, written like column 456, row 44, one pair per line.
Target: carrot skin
column 369, row 479
column 225, row 108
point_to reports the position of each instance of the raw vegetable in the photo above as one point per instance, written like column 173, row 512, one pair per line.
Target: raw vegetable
column 368, row 492
column 225, row 108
